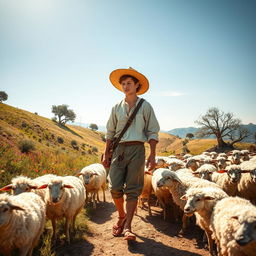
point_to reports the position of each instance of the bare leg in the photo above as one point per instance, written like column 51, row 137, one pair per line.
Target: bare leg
column 130, row 209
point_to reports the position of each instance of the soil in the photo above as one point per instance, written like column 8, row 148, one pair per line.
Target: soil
column 154, row 235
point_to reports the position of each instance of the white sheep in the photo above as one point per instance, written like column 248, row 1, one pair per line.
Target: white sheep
column 201, row 201
column 177, row 183
column 22, row 184
column 229, row 178
column 94, row 179
column 163, row 195
column 22, row 220
column 222, row 162
column 233, row 223
column 247, row 184
column 235, row 157
column 205, row 171
column 65, row 197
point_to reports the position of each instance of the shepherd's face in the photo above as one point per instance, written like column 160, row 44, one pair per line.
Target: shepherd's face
column 129, row 87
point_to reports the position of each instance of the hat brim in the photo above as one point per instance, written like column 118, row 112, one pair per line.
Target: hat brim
column 116, row 74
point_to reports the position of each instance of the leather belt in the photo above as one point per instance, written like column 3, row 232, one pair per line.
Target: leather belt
column 131, row 143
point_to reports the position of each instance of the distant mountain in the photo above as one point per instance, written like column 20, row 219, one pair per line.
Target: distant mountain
column 182, row 132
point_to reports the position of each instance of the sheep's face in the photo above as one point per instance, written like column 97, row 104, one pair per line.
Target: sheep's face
column 192, row 164
column 234, row 175
column 206, row 175
column 253, row 175
column 246, row 233
column 56, row 191
column 222, row 164
column 88, row 177
column 20, row 188
column 6, row 209
column 236, row 158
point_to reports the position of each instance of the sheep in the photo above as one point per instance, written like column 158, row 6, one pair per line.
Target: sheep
column 233, row 223
column 22, row 220
column 245, row 155
column 235, row 157
column 247, row 184
column 228, row 179
column 201, row 201
column 205, row 171
column 94, row 179
column 177, row 183
column 65, row 197
column 221, row 162
column 175, row 164
column 213, row 155
column 22, row 184
column 147, row 191
column 163, row 195
column 192, row 163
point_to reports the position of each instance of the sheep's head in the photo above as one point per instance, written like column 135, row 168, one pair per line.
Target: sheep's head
column 56, row 190
column 167, row 178
column 253, row 175
column 196, row 200
column 19, row 185
column 246, row 233
column 234, row 173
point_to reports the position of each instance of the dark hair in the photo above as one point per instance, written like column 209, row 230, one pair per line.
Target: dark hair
column 135, row 80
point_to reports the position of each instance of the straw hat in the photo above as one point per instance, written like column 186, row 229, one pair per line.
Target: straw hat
column 116, row 74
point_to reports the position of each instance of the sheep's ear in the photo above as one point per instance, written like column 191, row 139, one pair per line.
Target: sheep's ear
column 6, row 188
column 209, row 198
column 234, row 217
column 184, row 198
column 78, row 174
column 67, row 186
column 16, row 207
column 43, row 186
column 221, row 171
column 95, row 173
column 177, row 179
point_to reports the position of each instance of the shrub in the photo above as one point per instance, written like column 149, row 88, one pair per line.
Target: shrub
column 24, row 124
column 94, row 149
column 26, row 146
column 60, row 140
column 73, row 143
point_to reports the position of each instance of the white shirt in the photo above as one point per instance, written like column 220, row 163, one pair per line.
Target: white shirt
column 144, row 126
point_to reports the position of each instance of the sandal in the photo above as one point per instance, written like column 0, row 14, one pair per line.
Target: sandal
column 128, row 235
column 117, row 230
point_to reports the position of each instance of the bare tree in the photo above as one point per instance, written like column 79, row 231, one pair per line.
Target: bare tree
column 216, row 122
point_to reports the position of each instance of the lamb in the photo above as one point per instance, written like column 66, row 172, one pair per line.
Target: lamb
column 177, row 183
column 228, row 179
column 163, row 195
column 233, row 223
column 22, row 220
column 247, row 184
column 65, row 198
column 205, row 171
column 193, row 164
column 94, row 178
column 175, row 164
column 201, row 201
column 245, row 155
column 221, row 162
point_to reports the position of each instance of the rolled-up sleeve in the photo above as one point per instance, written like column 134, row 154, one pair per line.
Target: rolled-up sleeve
column 151, row 124
column 111, row 125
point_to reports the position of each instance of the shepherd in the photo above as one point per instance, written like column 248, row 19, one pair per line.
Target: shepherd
column 132, row 122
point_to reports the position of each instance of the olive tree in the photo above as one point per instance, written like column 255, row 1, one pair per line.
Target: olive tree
column 63, row 114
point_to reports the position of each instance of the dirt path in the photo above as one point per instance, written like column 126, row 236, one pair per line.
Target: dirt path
column 154, row 235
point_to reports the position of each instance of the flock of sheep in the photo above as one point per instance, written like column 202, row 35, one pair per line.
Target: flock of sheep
column 219, row 189
column 23, row 215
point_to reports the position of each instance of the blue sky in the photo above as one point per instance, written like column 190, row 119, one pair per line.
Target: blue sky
column 196, row 54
